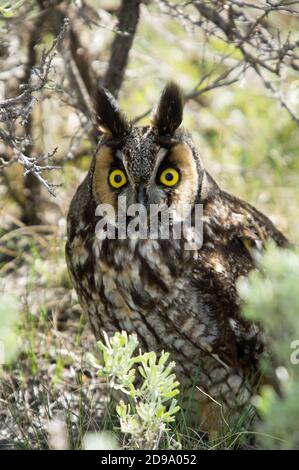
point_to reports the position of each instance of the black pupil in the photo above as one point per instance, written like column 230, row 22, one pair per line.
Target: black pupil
column 117, row 178
column 169, row 176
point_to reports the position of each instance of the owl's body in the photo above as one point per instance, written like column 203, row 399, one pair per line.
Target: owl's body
column 179, row 300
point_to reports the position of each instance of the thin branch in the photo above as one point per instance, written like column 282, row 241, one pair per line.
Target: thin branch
column 220, row 81
column 20, row 108
column 263, row 46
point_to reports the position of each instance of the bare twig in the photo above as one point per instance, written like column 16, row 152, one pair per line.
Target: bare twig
column 249, row 27
column 19, row 108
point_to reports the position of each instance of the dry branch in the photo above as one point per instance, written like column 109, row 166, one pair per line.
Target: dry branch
column 251, row 29
column 17, row 110
column 128, row 22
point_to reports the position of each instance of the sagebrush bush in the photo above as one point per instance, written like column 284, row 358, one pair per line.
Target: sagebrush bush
column 148, row 386
column 271, row 298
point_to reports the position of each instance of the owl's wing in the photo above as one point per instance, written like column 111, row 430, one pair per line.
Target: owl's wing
column 235, row 224
column 234, row 235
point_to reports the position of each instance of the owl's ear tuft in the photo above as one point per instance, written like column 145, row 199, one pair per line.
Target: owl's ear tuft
column 168, row 114
column 111, row 119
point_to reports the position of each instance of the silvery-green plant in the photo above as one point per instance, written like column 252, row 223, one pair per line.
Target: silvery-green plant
column 271, row 298
column 7, row 9
column 9, row 315
column 147, row 383
column 99, row 441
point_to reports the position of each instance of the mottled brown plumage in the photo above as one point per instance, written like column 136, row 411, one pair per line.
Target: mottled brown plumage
column 182, row 301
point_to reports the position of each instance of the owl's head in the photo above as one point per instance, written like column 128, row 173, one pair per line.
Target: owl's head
column 156, row 164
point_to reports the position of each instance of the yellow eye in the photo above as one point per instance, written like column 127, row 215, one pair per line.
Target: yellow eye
column 169, row 177
column 117, row 179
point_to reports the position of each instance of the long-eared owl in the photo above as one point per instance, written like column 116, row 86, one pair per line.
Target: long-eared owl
column 180, row 300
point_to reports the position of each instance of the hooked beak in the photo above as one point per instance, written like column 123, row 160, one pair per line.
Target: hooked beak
column 142, row 196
